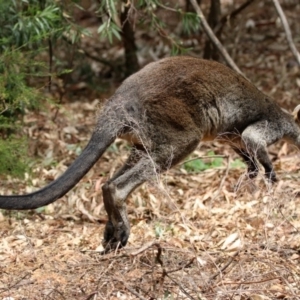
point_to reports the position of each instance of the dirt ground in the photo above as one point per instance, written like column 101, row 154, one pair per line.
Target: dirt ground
column 212, row 234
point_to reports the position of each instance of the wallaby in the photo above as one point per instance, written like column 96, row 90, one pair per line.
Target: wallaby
column 165, row 110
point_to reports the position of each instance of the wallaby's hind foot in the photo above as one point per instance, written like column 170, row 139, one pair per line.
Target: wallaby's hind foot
column 115, row 236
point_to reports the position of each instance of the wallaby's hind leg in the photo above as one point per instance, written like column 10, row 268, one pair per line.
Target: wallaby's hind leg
column 135, row 155
column 256, row 138
column 249, row 160
column 116, row 191
column 111, row 206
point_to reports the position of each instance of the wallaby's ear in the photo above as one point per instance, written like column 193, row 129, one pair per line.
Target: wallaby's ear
column 296, row 113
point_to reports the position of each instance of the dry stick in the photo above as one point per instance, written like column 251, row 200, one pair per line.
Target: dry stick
column 121, row 255
column 182, row 267
column 214, row 39
column 250, row 282
column 231, row 15
column 145, row 247
column 130, row 289
column 204, row 157
column 17, row 283
column 181, row 287
column 90, row 296
column 224, row 267
column 165, row 273
column 223, row 180
column 287, row 30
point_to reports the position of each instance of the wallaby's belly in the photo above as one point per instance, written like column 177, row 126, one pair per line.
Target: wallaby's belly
column 131, row 138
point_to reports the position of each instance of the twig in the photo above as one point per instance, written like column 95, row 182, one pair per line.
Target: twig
column 287, row 30
column 214, row 39
column 204, row 157
column 145, row 247
column 230, row 16
column 224, row 267
column 5, row 108
column 181, row 287
column 130, row 289
column 17, row 283
column 158, row 255
column 96, row 58
column 223, row 180
column 250, row 282
column 87, row 54
column 90, row 296
column 121, row 255
column 182, row 267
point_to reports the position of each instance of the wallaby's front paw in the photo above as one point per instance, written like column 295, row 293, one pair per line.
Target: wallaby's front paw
column 115, row 237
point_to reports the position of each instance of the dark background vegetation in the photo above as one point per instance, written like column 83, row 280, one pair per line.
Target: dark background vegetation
column 204, row 231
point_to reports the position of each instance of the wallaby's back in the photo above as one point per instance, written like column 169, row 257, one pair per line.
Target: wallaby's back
column 197, row 94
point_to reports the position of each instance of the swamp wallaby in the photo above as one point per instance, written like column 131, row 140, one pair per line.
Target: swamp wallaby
column 165, row 110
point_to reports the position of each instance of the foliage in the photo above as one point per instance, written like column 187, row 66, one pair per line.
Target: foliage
column 13, row 156
column 237, row 164
column 27, row 28
column 198, row 164
column 15, row 95
column 110, row 28
column 25, row 24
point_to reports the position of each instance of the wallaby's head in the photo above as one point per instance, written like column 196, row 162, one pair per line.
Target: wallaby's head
column 296, row 114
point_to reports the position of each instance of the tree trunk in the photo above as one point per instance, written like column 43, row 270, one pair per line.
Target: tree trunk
column 210, row 51
column 131, row 61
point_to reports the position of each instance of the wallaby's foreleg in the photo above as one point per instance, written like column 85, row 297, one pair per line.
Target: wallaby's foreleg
column 249, row 160
column 256, row 138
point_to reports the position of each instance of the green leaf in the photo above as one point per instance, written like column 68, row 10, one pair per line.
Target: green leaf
column 237, row 164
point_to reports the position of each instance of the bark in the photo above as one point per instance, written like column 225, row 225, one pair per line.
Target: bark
column 210, row 50
column 131, row 61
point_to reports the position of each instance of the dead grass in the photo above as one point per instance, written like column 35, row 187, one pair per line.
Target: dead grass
column 211, row 235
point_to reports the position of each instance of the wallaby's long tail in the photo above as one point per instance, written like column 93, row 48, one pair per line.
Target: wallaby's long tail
column 98, row 143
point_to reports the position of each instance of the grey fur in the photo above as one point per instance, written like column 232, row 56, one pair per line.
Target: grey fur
column 165, row 110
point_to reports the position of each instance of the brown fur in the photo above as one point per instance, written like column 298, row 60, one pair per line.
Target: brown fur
column 165, row 110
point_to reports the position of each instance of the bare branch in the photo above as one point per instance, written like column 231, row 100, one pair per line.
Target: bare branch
column 214, row 39
column 231, row 16
column 287, row 30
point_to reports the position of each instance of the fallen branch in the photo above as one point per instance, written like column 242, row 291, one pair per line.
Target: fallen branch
column 249, row 282
column 214, row 39
column 130, row 289
column 214, row 276
column 287, row 30
column 231, row 16
column 183, row 290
